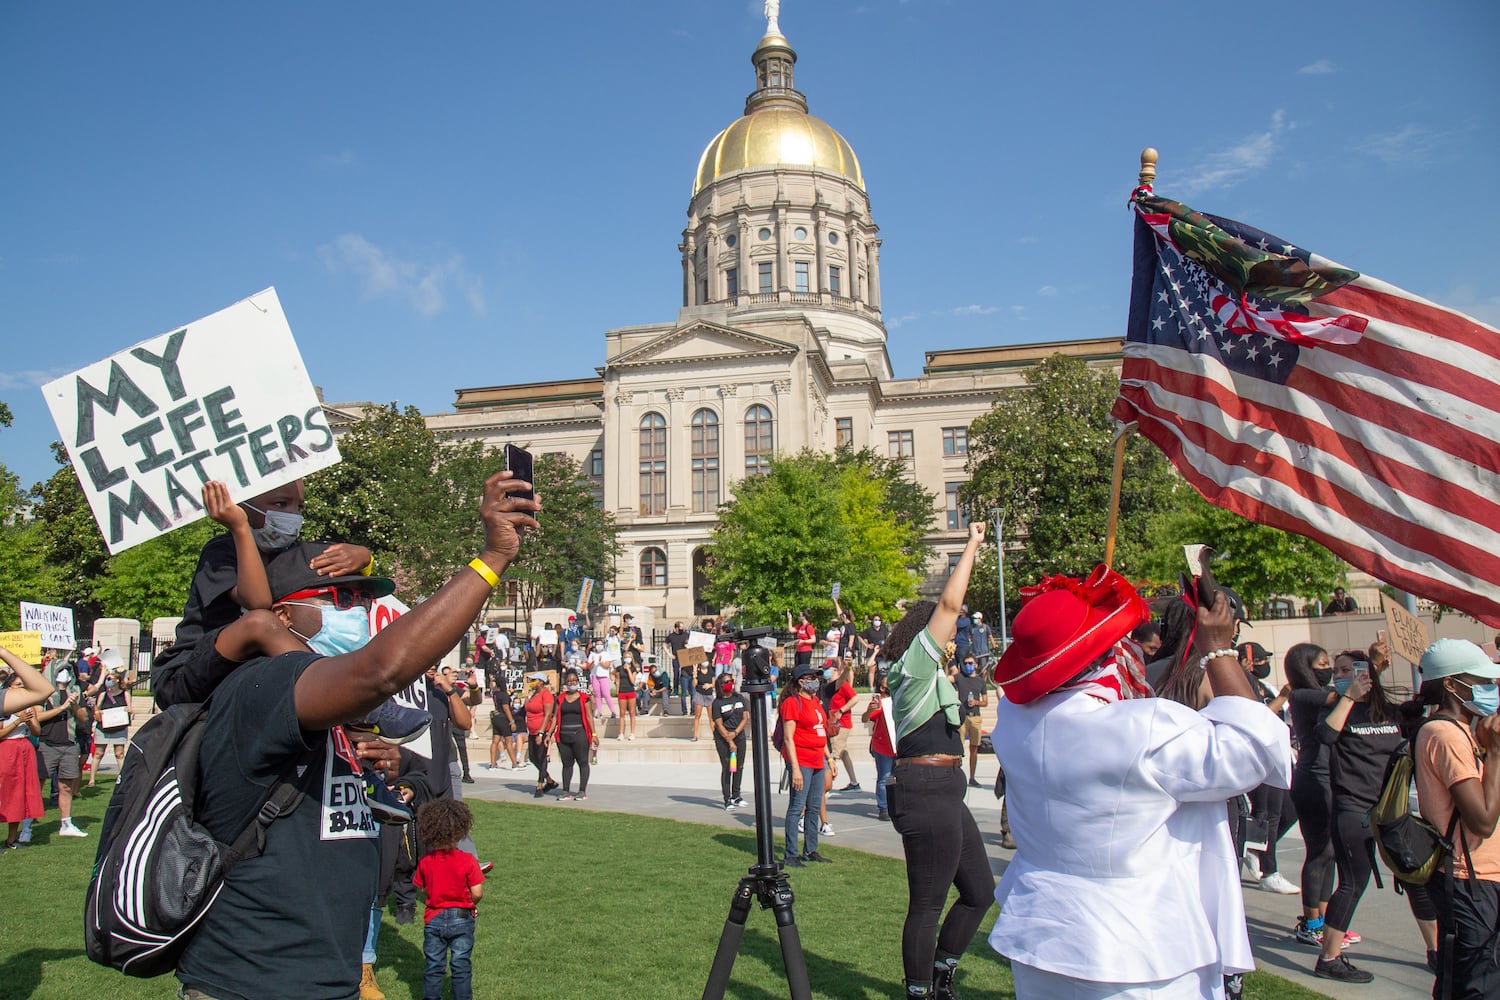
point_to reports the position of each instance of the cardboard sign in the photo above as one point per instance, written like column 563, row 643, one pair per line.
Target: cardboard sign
column 225, row 398
column 383, row 611
column 691, row 656
column 585, row 591
column 54, row 623
column 1408, row 633
column 26, row 645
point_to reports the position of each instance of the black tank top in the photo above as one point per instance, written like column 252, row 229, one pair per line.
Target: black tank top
column 570, row 717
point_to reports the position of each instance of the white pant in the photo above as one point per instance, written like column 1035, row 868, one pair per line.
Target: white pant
column 1037, row 984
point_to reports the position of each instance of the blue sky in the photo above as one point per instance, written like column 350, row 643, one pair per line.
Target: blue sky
column 471, row 193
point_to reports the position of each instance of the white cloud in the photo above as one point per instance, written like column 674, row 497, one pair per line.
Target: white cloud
column 974, row 310
column 1409, row 146
column 896, row 321
column 1047, row 291
column 1229, row 166
column 32, row 378
column 343, row 159
column 1320, row 68
column 425, row 283
column 1028, row 240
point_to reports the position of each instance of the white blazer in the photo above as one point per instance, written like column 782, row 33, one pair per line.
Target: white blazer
column 1125, row 869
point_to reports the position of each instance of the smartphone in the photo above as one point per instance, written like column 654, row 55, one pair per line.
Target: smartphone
column 1361, row 667
column 518, row 461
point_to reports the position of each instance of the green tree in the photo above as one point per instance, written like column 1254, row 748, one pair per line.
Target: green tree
column 909, row 501
column 151, row 580
column 810, row 521
column 25, row 574
column 70, row 537
column 576, row 539
column 1042, row 456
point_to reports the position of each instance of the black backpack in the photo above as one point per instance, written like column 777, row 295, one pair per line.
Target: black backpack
column 158, row 870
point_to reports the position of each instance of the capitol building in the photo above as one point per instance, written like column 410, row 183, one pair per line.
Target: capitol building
column 778, row 345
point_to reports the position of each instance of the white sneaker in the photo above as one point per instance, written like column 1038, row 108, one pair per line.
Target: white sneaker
column 1249, row 870
column 1277, row 883
column 69, row 830
column 826, row 830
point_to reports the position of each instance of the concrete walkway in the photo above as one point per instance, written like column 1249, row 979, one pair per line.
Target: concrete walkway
column 689, row 791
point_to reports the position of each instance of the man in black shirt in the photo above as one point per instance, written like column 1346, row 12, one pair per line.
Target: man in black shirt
column 973, row 696
column 292, row 922
column 871, row 639
column 1342, row 604
column 677, row 641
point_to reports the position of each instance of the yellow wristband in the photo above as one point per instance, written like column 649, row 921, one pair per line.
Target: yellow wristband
column 479, row 566
column 368, row 567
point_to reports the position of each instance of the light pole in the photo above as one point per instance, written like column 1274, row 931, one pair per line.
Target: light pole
column 1000, row 567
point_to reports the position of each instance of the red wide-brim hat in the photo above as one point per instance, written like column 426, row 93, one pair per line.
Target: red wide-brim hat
column 1063, row 626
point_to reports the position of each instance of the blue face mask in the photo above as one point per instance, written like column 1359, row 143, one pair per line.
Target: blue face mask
column 828, row 675
column 1484, row 699
column 1342, row 684
column 342, row 631
column 968, row 669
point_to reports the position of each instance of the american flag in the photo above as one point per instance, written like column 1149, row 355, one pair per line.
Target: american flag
column 1302, row 395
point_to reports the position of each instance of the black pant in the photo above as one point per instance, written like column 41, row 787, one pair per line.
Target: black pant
column 536, row 752
column 461, row 741
column 729, row 781
column 574, row 748
column 1354, row 857
column 1314, row 802
column 943, row 848
column 1275, row 807
column 1469, row 912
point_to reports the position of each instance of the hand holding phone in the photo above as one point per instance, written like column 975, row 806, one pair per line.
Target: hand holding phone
column 518, row 462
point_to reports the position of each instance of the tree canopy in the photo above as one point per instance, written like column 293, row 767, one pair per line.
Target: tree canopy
column 813, row 520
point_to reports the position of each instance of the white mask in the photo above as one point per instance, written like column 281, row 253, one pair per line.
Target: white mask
column 280, row 531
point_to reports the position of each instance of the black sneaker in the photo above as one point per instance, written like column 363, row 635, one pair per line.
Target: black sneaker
column 549, row 785
column 815, row 856
column 405, row 914
column 1341, row 970
column 884, row 816
column 388, row 812
column 392, row 724
column 853, row 786
column 793, row 862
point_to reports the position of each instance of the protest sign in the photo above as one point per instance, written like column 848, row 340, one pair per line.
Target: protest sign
column 1408, row 633
column 54, row 623
column 383, row 611
column 837, row 588
column 225, row 398
column 585, row 591
column 26, row 645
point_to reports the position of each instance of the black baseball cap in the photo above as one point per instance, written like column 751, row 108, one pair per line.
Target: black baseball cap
column 1258, row 652
column 291, row 572
column 804, row 670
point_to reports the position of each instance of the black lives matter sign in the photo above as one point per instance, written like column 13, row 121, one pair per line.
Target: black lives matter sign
column 225, row 398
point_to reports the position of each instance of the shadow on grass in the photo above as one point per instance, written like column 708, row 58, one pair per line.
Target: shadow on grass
column 400, row 956
column 21, row 973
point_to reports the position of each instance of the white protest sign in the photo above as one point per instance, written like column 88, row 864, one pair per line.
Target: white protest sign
column 55, row 624
column 383, row 611
column 225, row 398
column 703, row 640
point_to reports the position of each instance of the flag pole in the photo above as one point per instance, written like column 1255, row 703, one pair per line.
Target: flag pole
column 1122, row 434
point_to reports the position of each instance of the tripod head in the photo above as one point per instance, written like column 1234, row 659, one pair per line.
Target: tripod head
column 756, row 659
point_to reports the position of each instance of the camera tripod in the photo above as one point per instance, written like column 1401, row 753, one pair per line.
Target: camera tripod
column 766, row 881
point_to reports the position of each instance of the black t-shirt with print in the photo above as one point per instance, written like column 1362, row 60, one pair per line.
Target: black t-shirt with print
column 291, row 922
column 729, row 710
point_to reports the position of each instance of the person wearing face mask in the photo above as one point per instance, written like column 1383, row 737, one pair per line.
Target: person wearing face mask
column 729, row 716
column 804, row 746
column 573, row 731
column 872, row 642
column 1309, row 672
column 1458, row 792
column 1270, row 807
column 602, row 679
column 230, row 579
column 541, row 711
column 112, row 697
column 1361, row 730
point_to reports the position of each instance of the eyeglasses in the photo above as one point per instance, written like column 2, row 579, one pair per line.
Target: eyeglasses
column 344, row 598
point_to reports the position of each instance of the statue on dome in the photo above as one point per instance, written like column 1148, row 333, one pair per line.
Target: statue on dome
column 772, row 8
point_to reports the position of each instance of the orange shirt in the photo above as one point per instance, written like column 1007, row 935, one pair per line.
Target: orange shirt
column 1444, row 756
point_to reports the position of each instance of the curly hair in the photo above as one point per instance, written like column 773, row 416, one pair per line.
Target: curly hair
column 908, row 628
column 443, row 823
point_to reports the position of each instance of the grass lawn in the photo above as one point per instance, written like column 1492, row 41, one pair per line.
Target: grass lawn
column 601, row 906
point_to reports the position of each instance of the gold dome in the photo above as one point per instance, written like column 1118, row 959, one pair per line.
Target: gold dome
column 774, row 137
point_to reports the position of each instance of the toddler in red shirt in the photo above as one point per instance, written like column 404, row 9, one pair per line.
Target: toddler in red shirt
column 452, row 883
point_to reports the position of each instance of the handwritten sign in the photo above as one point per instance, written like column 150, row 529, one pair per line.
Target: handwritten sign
column 837, row 589
column 226, row 398
column 585, row 591
column 54, row 623
column 1409, row 639
column 26, row 645
column 383, row 611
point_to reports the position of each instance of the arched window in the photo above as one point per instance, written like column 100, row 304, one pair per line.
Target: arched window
column 653, row 464
column 760, row 440
column 705, row 433
column 653, row 568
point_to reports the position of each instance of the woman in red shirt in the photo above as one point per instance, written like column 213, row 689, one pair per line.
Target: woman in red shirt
column 805, row 749
column 541, row 708
column 806, row 636
column 881, row 747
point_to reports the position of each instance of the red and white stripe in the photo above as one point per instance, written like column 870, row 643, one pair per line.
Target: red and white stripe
column 1386, row 451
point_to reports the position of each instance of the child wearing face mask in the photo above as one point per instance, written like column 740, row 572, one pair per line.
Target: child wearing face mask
column 729, row 715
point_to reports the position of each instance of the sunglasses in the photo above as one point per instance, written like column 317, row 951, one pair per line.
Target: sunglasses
column 344, row 598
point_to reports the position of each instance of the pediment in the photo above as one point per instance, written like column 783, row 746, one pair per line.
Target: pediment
column 702, row 341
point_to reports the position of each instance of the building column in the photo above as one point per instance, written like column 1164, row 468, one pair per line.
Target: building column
column 679, row 451
column 746, row 277
column 873, row 248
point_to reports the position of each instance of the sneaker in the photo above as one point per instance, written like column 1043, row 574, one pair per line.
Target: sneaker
column 826, row 830
column 1351, row 937
column 1007, row 841
column 793, row 862
column 1340, row 969
column 392, row 724
column 580, row 797
column 1249, row 871
column 884, row 816
column 388, row 811
column 815, row 856
column 537, row 794
column 25, row 836
column 406, row 914
column 69, row 830
column 1277, row 883
column 485, row 867
column 740, row 802
column 467, row 780
column 974, row 783
column 565, row 797
column 729, row 807
column 551, row 784
column 853, row 786
column 1308, row 935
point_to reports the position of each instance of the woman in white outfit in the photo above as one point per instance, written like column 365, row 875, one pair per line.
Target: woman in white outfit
column 1124, row 883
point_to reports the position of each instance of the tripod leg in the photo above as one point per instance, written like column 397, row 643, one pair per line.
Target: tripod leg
column 729, row 940
column 791, row 941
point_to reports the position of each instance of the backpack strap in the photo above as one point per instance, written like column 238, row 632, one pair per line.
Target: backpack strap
column 285, row 796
